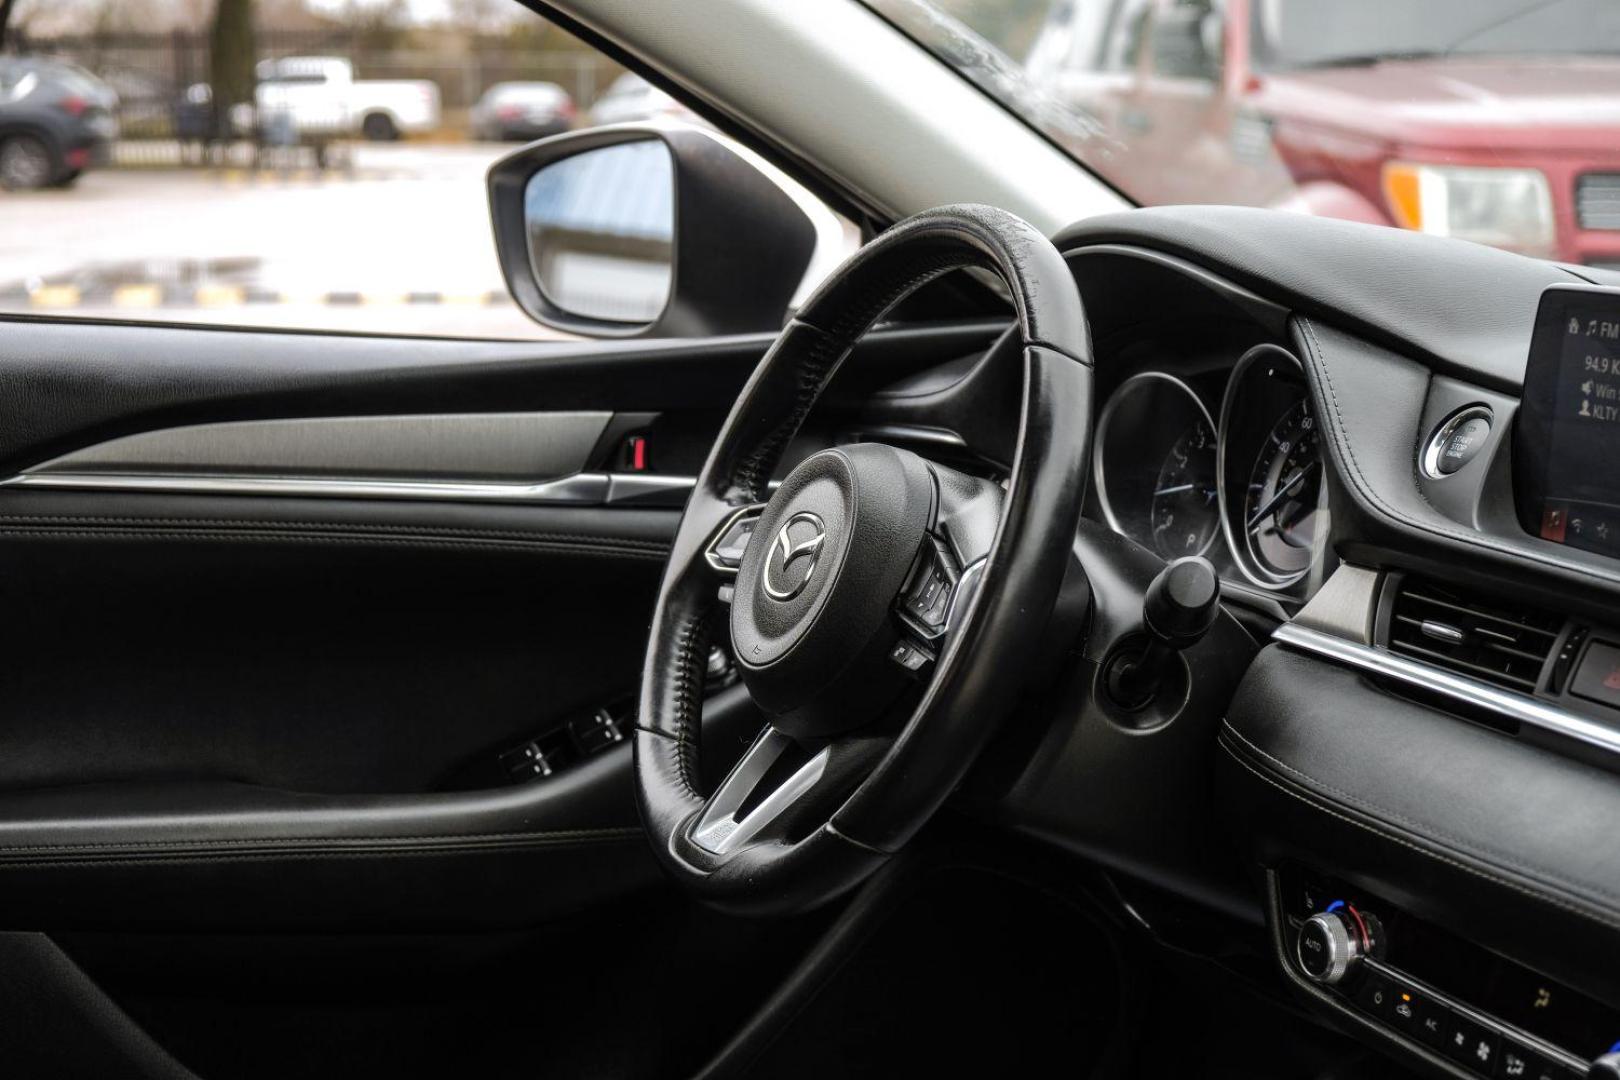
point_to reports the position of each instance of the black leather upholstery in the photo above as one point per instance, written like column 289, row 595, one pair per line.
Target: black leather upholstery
column 1377, row 282
column 1505, row 843
column 1371, row 402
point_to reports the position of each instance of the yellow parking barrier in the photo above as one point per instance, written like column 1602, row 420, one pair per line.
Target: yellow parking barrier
column 54, row 296
column 137, row 296
column 216, row 296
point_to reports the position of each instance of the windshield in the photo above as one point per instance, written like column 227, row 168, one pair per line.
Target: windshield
column 1495, row 121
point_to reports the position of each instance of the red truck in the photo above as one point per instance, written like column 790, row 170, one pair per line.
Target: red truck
column 1491, row 120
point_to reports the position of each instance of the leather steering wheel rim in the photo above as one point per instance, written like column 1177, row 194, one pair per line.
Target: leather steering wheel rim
column 984, row 658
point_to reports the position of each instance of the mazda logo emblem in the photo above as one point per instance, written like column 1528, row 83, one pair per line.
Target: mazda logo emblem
column 792, row 556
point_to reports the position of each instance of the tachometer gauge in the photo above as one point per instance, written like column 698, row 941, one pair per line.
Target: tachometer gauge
column 1270, row 469
column 1155, row 465
column 1184, row 517
column 1280, row 503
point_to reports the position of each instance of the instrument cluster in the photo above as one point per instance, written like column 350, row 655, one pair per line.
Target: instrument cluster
column 1241, row 484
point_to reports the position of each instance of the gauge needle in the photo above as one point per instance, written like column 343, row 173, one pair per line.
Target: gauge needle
column 1178, row 489
column 1281, row 494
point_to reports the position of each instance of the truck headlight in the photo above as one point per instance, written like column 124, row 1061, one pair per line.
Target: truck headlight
column 1506, row 208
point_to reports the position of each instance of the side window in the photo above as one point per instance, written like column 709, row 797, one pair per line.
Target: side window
column 283, row 164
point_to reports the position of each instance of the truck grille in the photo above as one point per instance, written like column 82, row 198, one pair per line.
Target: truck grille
column 1597, row 201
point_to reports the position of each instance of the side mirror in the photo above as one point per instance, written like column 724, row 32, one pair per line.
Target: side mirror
column 637, row 230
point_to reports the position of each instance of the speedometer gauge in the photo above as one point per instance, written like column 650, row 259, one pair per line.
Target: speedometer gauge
column 1155, row 465
column 1272, row 504
column 1279, row 505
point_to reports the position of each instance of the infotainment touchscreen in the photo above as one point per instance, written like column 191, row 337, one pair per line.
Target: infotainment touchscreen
column 1567, row 446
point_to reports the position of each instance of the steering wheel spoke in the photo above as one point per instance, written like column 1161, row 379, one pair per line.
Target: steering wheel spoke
column 778, row 790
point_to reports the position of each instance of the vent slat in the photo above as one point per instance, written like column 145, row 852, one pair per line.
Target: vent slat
column 1479, row 613
column 1449, row 661
column 1499, row 644
column 1597, row 201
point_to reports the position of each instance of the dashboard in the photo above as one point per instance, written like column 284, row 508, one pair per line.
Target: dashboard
column 1397, row 749
column 1398, row 453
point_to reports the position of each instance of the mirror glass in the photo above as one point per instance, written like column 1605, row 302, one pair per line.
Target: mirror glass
column 601, row 229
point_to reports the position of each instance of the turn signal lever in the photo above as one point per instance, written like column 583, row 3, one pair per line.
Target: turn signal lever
column 1180, row 606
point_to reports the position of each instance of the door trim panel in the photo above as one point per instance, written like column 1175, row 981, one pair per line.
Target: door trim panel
column 527, row 446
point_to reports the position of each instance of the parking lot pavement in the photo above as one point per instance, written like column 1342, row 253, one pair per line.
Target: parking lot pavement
column 399, row 243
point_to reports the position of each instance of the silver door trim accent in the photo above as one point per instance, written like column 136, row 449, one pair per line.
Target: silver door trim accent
column 578, row 489
column 1526, row 710
column 512, row 447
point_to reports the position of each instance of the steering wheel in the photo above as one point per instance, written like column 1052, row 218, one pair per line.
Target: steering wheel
column 884, row 609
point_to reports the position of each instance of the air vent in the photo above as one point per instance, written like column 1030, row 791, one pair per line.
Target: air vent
column 1597, row 201
column 1443, row 625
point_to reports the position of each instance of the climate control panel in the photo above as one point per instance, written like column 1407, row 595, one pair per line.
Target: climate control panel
column 1455, row 999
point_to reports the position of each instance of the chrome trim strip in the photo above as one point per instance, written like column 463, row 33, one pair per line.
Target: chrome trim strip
column 1482, row 695
column 579, row 489
column 511, row 448
column 647, row 489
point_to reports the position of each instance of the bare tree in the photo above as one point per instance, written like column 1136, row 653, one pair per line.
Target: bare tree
column 232, row 54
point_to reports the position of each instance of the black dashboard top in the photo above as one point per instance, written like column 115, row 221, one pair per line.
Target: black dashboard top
column 1465, row 309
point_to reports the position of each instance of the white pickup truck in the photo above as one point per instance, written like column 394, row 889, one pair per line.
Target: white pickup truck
column 318, row 97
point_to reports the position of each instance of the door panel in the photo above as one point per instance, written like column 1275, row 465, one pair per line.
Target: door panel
column 282, row 710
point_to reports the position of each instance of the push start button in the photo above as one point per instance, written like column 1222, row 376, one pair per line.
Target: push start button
column 1457, row 441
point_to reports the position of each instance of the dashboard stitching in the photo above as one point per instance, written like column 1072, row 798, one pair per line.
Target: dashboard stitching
column 1548, row 898
column 1423, row 827
column 1317, row 356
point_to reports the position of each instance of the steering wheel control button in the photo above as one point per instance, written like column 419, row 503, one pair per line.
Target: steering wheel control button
column 926, row 601
column 725, row 551
column 1457, row 441
column 908, row 656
